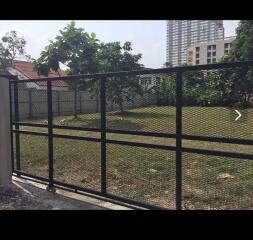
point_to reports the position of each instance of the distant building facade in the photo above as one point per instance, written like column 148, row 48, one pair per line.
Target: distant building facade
column 182, row 34
column 208, row 52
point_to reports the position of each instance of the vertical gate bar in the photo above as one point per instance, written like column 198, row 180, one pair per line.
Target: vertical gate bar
column 11, row 126
column 58, row 103
column 75, row 99
column 103, row 133
column 80, row 100
column 50, row 134
column 179, row 140
column 17, row 136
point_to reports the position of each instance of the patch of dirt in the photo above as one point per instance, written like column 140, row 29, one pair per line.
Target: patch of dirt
column 224, row 176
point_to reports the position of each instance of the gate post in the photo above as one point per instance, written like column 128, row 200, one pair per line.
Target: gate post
column 179, row 140
column 5, row 136
column 50, row 138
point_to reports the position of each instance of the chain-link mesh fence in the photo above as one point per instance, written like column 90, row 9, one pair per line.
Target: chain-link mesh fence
column 34, row 155
column 142, row 109
column 77, row 162
column 211, row 100
column 79, row 104
column 141, row 103
column 141, row 174
column 211, row 182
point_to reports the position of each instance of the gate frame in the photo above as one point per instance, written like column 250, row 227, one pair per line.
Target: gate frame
column 178, row 149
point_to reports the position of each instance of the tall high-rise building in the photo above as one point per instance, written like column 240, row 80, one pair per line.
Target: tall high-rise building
column 181, row 34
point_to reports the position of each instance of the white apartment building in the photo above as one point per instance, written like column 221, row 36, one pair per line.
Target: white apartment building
column 208, row 52
column 182, row 34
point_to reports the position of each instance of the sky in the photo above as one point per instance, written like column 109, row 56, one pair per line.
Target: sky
column 148, row 36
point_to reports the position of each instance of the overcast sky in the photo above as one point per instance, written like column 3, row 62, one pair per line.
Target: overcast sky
column 148, row 37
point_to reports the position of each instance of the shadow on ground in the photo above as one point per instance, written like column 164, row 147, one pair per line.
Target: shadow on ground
column 122, row 124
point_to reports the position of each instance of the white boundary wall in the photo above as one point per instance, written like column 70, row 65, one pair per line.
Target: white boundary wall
column 33, row 103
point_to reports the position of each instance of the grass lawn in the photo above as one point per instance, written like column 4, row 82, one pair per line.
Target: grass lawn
column 148, row 175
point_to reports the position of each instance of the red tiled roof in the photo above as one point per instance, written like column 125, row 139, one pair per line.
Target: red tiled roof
column 26, row 68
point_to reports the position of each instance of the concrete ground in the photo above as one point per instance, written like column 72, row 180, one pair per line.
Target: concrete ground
column 27, row 195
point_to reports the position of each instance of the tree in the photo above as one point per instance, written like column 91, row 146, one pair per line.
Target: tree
column 112, row 57
column 11, row 47
column 242, row 46
column 74, row 48
column 165, row 90
column 167, row 64
column 240, row 81
column 82, row 53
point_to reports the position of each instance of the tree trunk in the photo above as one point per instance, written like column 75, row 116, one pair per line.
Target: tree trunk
column 75, row 101
column 121, row 106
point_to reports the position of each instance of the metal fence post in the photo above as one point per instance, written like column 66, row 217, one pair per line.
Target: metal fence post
column 50, row 137
column 80, row 99
column 17, row 136
column 179, row 140
column 103, row 133
column 58, row 103
column 97, row 102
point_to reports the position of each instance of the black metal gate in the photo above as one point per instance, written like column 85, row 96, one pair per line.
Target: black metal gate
column 153, row 155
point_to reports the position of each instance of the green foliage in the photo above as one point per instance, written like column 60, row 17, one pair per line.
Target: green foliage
column 242, row 48
column 165, row 90
column 167, row 64
column 11, row 47
column 240, row 81
column 112, row 57
column 74, row 48
column 82, row 53
column 224, row 87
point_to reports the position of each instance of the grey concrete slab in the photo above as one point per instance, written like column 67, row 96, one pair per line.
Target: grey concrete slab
column 29, row 195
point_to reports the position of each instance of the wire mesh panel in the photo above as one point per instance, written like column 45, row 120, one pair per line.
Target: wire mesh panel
column 77, row 104
column 38, row 104
column 34, row 155
column 211, row 182
column 13, row 153
column 31, row 101
column 23, row 103
column 211, row 101
column 141, row 174
column 77, row 162
column 228, row 147
column 141, row 103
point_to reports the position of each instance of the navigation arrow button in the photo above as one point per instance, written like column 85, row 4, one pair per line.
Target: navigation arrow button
column 239, row 115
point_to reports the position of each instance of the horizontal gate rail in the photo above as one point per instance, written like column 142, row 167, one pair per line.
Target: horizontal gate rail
column 147, row 145
column 142, row 72
column 108, row 196
column 149, row 134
